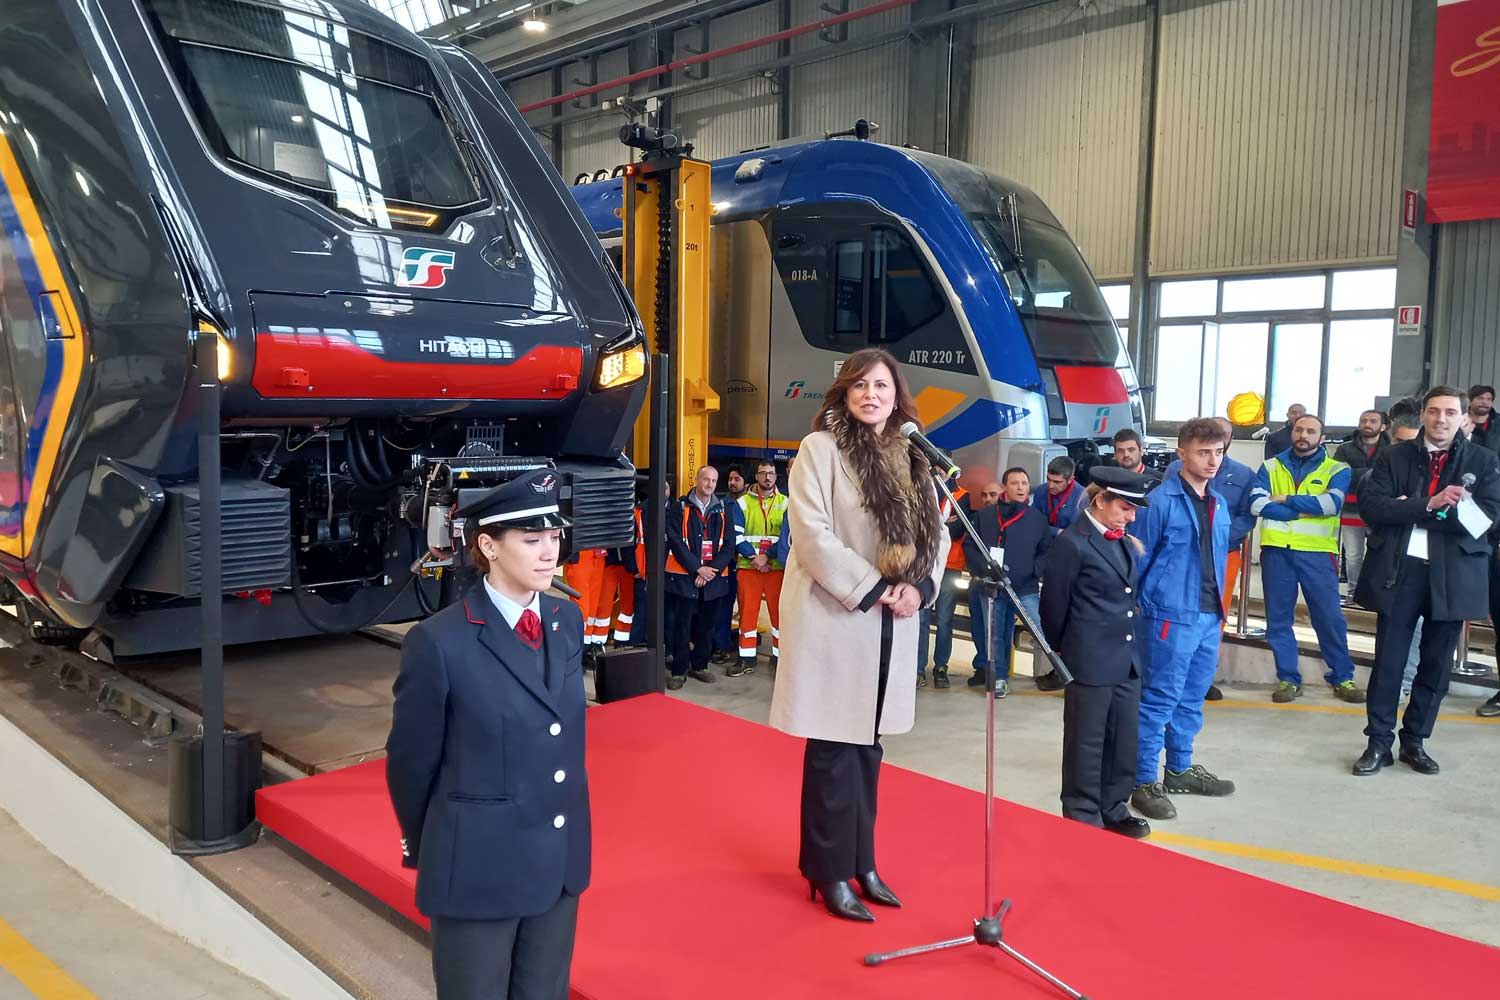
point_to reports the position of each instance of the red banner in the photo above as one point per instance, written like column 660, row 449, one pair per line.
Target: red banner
column 1463, row 166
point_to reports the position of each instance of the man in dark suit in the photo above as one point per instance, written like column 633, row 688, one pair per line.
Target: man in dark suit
column 1088, row 616
column 1422, row 563
column 1022, row 536
column 485, row 760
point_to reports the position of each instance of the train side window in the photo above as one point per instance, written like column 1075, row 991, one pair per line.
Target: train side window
column 848, row 286
column 902, row 295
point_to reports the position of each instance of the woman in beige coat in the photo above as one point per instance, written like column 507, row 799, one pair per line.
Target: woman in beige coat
column 867, row 553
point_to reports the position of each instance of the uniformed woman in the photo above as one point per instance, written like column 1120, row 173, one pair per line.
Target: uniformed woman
column 485, row 759
column 1089, row 616
column 868, row 548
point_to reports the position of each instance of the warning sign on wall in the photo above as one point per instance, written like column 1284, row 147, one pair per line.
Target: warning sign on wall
column 1409, row 321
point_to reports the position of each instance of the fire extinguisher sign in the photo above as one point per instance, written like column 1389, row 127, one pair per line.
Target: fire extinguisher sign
column 1409, row 321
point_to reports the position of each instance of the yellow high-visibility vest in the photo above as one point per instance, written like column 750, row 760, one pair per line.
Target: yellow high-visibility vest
column 763, row 519
column 1305, row 534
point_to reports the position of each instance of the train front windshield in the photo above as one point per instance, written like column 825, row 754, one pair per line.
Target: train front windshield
column 1057, row 299
column 308, row 104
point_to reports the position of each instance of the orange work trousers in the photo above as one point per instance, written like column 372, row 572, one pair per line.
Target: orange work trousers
column 587, row 577
column 755, row 585
column 618, row 582
column 1231, row 578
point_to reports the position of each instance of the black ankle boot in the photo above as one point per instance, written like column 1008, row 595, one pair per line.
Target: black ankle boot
column 839, row 900
column 876, row 891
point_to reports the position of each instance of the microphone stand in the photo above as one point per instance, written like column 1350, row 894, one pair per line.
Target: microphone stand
column 989, row 928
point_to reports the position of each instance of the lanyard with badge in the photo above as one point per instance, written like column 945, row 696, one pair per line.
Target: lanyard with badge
column 997, row 552
column 765, row 520
column 706, row 546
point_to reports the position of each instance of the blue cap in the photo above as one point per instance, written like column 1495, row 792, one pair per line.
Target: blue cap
column 528, row 502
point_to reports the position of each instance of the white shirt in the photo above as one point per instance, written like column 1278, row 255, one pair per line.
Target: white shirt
column 510, row 610
column 1095, row 522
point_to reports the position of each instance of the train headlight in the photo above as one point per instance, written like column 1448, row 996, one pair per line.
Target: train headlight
column 224, row 355
column 621, row 366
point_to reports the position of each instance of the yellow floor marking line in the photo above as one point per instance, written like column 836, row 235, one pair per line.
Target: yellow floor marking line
column 1384, row 873
column 36, row 971
column 1292, row 707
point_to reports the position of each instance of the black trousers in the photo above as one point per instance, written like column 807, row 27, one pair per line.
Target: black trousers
column 1393, row 632
column 1100, row 730
column 840, row 791
column 690, row 618
column 524, row 958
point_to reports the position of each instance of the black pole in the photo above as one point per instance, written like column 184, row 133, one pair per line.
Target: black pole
column 212, row 590
column 656, row 514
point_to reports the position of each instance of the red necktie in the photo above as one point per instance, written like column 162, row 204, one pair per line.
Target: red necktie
column 529, row 628
column 1115, row 534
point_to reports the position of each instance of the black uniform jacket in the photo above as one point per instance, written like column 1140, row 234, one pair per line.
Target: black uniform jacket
column 1457, row 563
column 685, row 528
column 485, row 761
column 1088, row 605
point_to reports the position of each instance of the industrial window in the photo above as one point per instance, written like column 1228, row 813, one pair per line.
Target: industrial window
column 343, row 117
column 1322, row 339
column 416, row 15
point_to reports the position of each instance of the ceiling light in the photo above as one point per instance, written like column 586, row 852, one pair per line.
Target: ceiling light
column 298, row 119
column 533, row 25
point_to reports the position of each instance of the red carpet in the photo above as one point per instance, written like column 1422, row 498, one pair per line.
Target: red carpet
column 696, row 892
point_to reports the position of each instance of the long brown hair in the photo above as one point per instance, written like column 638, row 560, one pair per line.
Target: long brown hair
column 853, row 369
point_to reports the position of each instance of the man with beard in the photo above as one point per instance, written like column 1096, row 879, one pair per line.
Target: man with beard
column 1485, row 432
column 1359, row 454
column 1298, row 495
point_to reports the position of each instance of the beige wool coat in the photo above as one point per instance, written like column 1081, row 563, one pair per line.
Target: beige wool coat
column 828, row 674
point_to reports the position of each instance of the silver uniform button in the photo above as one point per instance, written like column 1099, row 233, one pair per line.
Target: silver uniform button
column 1127, row 590
column 559, row 776
column 1130, row 638
column 1130, row 614
column 558, row 822
column 556, row 729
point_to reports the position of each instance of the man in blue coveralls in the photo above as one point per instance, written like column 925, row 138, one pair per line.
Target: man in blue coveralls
column 1185, row 534
column 1299, row 494
column 1232, row 482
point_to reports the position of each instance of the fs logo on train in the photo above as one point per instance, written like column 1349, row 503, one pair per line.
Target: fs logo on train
column 424, row 268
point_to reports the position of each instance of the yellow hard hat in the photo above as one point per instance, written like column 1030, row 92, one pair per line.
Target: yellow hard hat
column 1247, row 409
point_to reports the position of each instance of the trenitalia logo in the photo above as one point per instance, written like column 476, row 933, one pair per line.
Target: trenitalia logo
column 424, row 268
column 1101, row 420
column 794, row 389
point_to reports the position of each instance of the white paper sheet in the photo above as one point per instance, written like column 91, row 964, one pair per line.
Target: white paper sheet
column 1417, row 547
column 1474, row 520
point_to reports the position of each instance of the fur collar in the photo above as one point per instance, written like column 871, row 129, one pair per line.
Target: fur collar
column 895, row 484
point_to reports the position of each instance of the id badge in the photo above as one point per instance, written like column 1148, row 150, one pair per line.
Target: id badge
column 765, row 546
column 997, row 553
column 706, row 551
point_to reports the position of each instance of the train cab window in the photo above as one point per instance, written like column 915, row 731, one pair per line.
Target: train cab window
column 355, row 122
column 848, row 287
column 902, row 296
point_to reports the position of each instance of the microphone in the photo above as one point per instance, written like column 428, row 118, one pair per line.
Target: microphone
column 940, row 459
column 1467, row 482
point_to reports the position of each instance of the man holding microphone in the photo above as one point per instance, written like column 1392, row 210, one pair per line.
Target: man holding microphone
column 1423, row 563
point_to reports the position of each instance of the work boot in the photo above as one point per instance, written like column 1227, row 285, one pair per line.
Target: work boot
column 1214, row 694
column 702, row 674
column 940, row 677
column 676, row 681
column 980, row 678
column 921, row 679
column 1489, row 709
column 1346, row 691
column 1150, row 800
column 1285, row 692
column 1197, row 780
column 724, row 656
column 736, row 667
column 1002, row 687
column 1049, row 682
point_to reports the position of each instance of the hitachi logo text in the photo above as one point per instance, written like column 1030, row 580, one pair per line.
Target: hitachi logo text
column 469, row 347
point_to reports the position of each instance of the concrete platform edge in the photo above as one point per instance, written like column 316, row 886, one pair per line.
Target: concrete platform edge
column 108, row 848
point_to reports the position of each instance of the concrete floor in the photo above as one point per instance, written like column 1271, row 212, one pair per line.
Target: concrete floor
column 1420, row 848
column 102, row 948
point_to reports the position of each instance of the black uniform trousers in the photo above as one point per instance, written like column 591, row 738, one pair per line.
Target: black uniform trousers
column 840, row 786
column 1100, row 731
column 522, row 958
column 690, row 618
column 1393, row 632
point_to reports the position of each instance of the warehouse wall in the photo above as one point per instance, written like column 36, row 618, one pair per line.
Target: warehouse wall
column 1056, row 105
column 1466, row 320
column 594, row 142
column 873, row 83
column 738, row 116
column 1279, row 131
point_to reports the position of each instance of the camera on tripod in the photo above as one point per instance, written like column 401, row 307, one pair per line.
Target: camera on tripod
column 652, row 141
